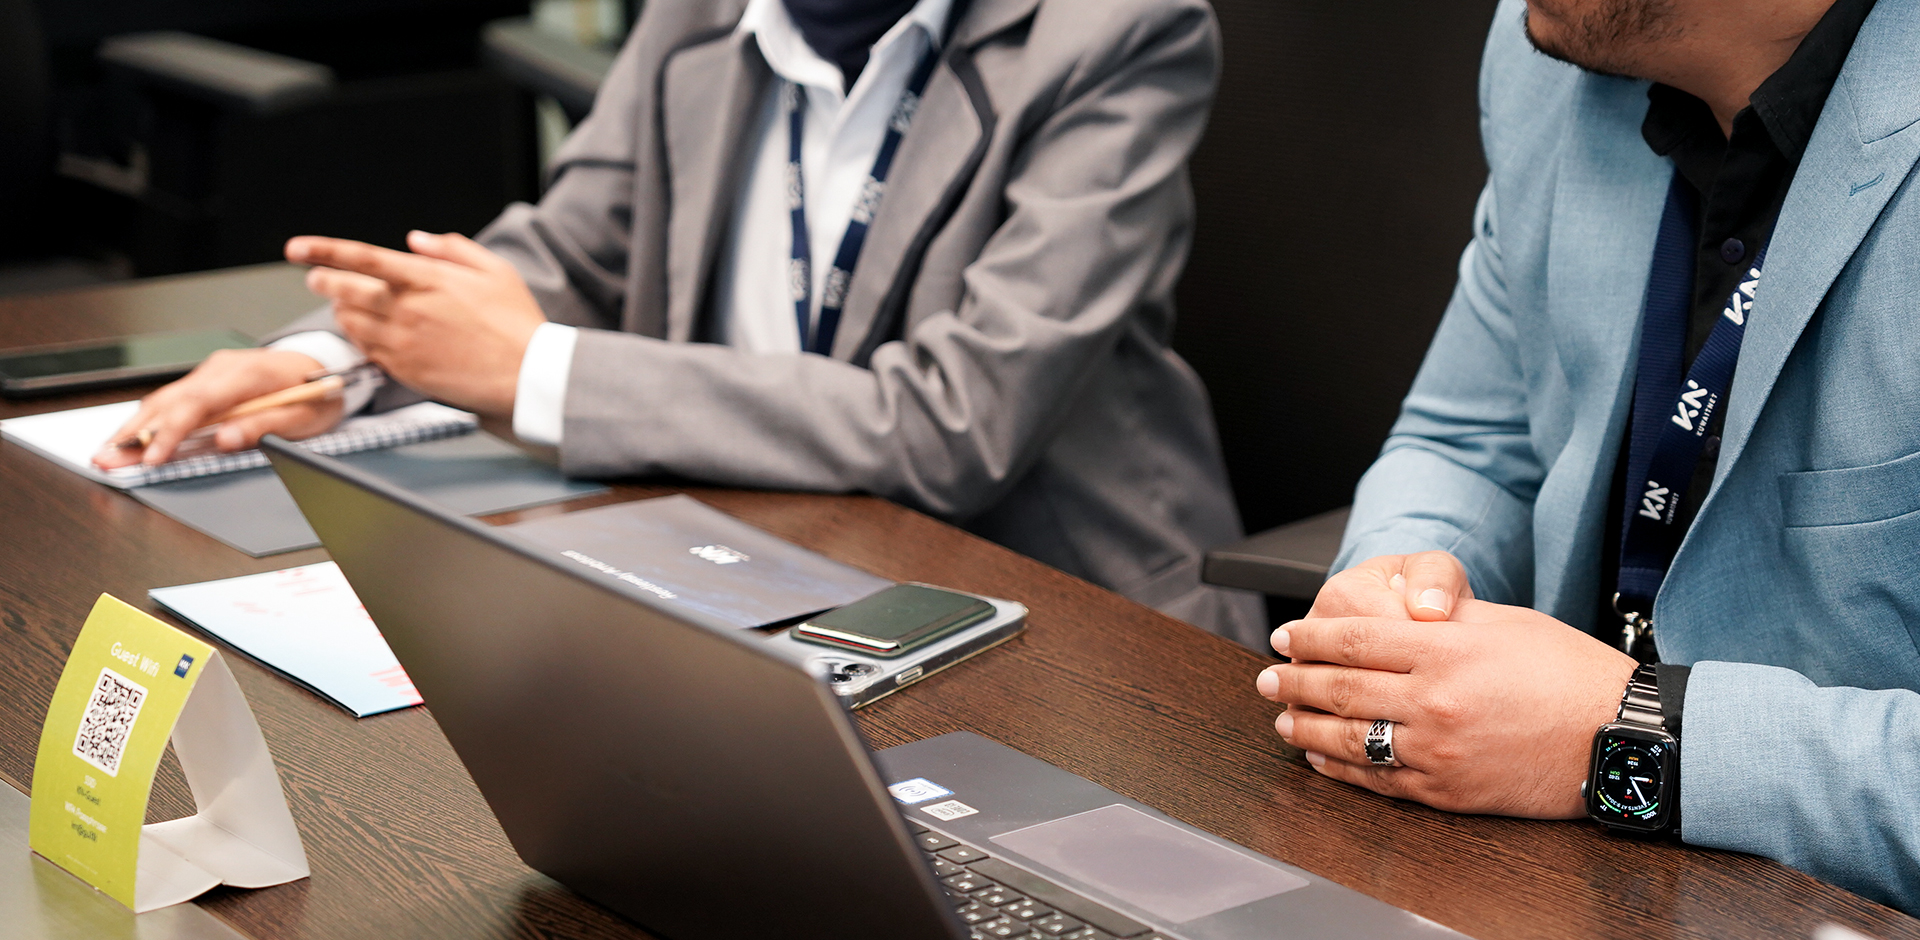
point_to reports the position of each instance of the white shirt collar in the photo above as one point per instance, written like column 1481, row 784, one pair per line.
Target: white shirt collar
column 789, row 56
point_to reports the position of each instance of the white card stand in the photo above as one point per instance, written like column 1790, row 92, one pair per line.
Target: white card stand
column 243, row 834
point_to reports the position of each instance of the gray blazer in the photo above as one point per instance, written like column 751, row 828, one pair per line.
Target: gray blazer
column 1002, row 359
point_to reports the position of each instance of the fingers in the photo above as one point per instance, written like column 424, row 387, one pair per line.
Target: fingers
column 345, row 288
column 394, row 267
column 1363, row 590
column 456, row 248
column 135, row 423
column 1435, row 583
column 224, row 380
column 1426, row 586
column 1336, row 746
column 1396, row 782
column 1343, row 739
column 167, row 435
column 1339, row 690
column 112, row 457
column 290, row 421
column 1366, row 642
column 169, row 416
column 363, row 329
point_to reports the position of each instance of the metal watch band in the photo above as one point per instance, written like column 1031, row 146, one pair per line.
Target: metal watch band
column 1640, row 703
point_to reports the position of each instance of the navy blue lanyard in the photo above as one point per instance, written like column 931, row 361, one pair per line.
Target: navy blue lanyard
column 1671, row 415
column 800, row 270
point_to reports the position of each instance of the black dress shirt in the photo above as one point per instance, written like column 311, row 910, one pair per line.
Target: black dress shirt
column 1738, row 184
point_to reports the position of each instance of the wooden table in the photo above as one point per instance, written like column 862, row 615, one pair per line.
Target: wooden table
column 402, row 845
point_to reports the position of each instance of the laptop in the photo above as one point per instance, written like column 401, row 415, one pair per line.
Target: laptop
column 680, row 773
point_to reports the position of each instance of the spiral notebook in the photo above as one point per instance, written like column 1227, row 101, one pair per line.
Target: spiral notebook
column 71, row 438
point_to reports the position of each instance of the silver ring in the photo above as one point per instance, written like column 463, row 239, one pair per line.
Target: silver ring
column 1380, row 744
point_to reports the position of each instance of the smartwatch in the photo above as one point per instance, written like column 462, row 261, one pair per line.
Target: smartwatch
column 1633, row 778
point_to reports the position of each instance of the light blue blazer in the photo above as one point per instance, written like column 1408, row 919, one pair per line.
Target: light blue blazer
column 1796, row 596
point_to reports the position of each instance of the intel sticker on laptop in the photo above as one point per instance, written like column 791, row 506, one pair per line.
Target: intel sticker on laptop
column 917, row 790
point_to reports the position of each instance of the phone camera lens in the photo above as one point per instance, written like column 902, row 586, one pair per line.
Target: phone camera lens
column 840, row 673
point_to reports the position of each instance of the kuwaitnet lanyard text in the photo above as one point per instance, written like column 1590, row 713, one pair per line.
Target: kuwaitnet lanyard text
column 1670, row 427
column 819, row 339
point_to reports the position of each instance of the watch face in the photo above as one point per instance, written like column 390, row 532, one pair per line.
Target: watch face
column 1630, row 779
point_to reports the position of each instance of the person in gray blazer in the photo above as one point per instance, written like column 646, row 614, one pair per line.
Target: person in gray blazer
column 924, row 249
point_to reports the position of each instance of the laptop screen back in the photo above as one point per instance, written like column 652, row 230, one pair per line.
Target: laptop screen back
column 668, row 769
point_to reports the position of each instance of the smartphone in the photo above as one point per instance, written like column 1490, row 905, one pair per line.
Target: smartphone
column 895, row 620
column 128, row 360
column 860, row 679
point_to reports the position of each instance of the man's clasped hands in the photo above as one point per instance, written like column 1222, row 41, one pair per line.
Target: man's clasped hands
column 1495, row 706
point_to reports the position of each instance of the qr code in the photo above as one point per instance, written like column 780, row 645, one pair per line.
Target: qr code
column 108, row 721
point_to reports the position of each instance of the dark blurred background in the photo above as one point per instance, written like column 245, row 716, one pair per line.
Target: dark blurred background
column 145, row 137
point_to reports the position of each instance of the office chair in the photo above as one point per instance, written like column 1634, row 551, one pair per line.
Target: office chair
column 541, row 62
column 1335, row 191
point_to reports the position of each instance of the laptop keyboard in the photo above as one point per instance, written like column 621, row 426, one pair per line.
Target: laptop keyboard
column 998, row 901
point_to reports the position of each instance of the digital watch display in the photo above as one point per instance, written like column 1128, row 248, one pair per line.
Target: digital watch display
column 1632, row 770
column 1633, row 779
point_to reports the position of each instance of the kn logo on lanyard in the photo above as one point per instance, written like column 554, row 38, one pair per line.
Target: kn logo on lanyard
column 1697, row 402
column 818, row 338
column 1695, row 408
column 1671, row 414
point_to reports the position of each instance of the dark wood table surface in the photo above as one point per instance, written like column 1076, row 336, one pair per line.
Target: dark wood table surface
column 402, row 845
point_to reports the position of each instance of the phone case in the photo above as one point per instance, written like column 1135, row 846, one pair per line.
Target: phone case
column 860, row 679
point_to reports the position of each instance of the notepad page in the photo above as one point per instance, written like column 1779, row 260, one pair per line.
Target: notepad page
column 71, row 438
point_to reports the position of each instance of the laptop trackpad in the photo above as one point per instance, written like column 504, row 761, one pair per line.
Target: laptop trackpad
column 1153, row 865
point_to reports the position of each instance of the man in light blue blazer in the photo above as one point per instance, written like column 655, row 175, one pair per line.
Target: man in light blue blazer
column 1461, row 657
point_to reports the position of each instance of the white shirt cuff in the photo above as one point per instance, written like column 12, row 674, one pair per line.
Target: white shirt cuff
column 539, row 403
column 334, row 354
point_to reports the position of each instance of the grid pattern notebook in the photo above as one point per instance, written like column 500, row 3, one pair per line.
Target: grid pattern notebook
column 71, row 438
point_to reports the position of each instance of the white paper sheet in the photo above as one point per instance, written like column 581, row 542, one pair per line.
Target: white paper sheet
column 306, row 623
